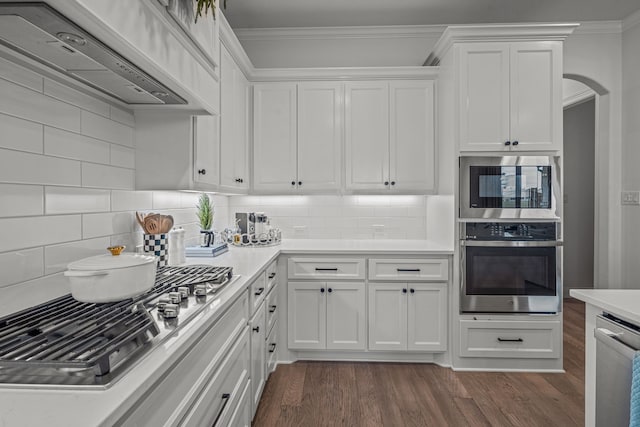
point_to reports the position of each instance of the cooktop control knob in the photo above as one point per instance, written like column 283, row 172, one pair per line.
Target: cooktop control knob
column 200, row 290
column 183, row 291
column 171, row 311
column 175, row 297
column 162, row 303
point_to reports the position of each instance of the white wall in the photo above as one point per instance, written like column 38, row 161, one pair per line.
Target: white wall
column 66, row 179
column 579, row 164
column 631, row 150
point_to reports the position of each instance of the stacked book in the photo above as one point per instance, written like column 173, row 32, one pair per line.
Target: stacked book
column 206, row 251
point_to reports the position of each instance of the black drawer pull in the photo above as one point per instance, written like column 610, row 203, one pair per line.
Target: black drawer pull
column 326, row 269
column 510, row 339
column 273, row 347
column 272, row 275
column 225, row 398
column 259, row 291
column 256, row 329
column 272, row 309
column 415, row 270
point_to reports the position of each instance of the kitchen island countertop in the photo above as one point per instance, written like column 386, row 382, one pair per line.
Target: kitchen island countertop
column 623, row 302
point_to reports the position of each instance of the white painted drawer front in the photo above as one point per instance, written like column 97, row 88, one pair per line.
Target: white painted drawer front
column 272, row 350
column 423, row 270
column 272, row 308
column 272, row 279
column 326, row 268
column 517, row 339
column 257, row 292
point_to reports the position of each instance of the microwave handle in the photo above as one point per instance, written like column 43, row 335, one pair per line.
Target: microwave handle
column 512, row 243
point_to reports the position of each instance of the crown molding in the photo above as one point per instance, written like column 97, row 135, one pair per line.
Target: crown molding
column 498, row 32
column 231, row 42
column 333, row 33
column 631, row 20
column 599, row 27
column 343, row 73
column 578, row 98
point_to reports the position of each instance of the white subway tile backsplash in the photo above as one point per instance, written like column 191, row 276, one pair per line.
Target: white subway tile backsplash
column 21, row 135
column 108, row 130
column 20, row 233
column 101, row 176
column 20, row 266
column 27, row 168
column 166, row 200
column 122, row 116
column 21, row 200
column 61, row 143
column 122, row 156
column 27, row 294
column 129, row 240
column 107, row 224
column 131, row 200
column 25, row 103
column 65, row 200
column 74, row 97
column 20, row 75
column 57, row 257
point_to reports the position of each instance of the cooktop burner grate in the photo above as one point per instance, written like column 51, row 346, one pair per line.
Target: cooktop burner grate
column 68, row 335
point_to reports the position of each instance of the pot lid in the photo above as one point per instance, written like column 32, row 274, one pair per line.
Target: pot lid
column 110, row 262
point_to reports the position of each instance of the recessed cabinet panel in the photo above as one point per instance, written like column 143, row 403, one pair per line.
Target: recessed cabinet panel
column 387, row 316
column 411, row 143
column 274, row 136
column 207, row 149
column 536, row 102
column 436, row 269
column 307, row 315
column 484, row 96
column 346, row 326
column 319, row 136
column 427, row 316
column 367, row 135
column 258, row 335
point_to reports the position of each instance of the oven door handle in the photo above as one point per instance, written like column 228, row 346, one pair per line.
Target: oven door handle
column 512, row 243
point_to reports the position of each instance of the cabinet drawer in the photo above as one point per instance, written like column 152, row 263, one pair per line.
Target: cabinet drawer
column 423, row 270
column 326, row 268
column 272, row 350
column 272, row 308
column 184, row 383
column 517, row 339
column 221, row 395
column 272, row 280
column 257, row 292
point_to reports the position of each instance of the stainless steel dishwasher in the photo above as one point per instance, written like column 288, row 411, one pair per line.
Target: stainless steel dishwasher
column 617, row 342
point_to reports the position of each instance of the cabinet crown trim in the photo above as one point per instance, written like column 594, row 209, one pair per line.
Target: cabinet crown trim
column 344, row 73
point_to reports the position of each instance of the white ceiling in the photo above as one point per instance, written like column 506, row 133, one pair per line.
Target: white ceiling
column 330, row 13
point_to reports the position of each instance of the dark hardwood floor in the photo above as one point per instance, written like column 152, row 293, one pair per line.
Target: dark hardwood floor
column 392, row 394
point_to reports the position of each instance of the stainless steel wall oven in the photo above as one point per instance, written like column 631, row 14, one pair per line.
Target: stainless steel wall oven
column 510, row 268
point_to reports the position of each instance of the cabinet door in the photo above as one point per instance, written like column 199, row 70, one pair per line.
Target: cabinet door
column 346, row 316
column 319, row 135
column 387, row 316
column 484, row 96
column 411, row 142
column 258, row 339
column 307, row 315
column 274, row 137
column 427, row 316
column 241, row 147
column 206, row 150
column 536, row 95
column 367, row 135
column 242, row 415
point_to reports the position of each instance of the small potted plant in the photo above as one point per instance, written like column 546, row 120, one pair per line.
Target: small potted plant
column 203, row 6
column 205, row 217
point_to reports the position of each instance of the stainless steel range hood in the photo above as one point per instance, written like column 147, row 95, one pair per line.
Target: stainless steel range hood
column 41, row 33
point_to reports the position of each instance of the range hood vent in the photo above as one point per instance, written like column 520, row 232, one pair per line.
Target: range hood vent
column 42, row 34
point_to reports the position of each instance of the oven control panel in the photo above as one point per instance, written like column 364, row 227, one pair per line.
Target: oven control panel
column 510, row 231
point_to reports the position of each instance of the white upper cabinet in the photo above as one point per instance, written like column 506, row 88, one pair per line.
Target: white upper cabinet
column 274, row 137
column 234, row 132
column 390, row 136
column 297, row 137
column 510, row 96
column 206, row 150
column 319, row 136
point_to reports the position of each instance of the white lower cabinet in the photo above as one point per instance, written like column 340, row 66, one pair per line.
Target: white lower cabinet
column 408, row 316
column 258, row 333
column 327, row 315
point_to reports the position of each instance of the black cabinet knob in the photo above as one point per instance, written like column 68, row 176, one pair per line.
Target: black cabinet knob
column 293, row 183
column 413, row 291
column 322, row 290
column 202, row 171
column 507, row 143
column 393, row 183
column 299, row 182
column 515, row 142
column 256, row 329
column 330, row 290
column 404, row 290
column 386, row 183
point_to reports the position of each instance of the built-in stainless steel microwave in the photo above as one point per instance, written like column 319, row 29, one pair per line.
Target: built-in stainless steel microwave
column 510, row 187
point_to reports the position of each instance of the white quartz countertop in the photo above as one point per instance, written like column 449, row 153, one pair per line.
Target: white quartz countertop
column 30, row 406
column 624, row 303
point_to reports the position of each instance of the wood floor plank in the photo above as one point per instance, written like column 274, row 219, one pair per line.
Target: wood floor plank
column 318, row 394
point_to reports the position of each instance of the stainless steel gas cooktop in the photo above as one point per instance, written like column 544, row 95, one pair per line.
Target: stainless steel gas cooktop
column 69, row 343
